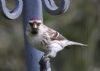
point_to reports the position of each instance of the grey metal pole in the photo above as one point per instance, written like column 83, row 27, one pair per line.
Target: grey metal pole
column 32, row 10
column 12, row 14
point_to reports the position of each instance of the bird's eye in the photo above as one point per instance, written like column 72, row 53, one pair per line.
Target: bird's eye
column 31, row 24
column 38, row 24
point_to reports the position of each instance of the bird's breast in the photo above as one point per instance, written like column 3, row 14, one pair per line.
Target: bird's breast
column 36, row 41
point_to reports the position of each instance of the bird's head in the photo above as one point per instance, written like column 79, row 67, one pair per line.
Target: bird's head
column 35, row 24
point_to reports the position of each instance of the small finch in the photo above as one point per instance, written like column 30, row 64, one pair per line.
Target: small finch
column 46, row 39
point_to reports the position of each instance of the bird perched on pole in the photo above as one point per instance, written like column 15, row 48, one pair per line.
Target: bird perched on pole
column 46, row 39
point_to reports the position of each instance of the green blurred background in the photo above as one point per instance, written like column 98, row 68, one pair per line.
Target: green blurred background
column 80, row 23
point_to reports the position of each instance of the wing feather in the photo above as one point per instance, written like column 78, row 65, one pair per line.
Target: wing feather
column 54, row 35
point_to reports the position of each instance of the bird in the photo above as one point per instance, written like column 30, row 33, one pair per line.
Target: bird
column 46, row 39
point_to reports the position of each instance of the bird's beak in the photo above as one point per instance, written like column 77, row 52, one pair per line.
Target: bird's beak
column 35, row 26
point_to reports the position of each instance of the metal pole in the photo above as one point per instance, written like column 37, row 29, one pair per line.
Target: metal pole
column 32, row 10
column 14, row 13
column 0, row 6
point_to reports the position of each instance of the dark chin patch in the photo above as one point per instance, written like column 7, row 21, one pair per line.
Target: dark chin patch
column 35, row 31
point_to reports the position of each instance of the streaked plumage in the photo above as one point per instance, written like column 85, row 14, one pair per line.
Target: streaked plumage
column 47, row 39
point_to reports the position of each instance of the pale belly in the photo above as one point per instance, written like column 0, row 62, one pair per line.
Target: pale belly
column 36, row 42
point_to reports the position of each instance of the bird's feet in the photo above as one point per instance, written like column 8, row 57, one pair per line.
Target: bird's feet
column 45, row 64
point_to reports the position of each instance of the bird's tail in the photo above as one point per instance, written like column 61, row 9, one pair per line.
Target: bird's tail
column 74, row 43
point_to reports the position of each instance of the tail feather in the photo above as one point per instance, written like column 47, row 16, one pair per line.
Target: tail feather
column 75, row 43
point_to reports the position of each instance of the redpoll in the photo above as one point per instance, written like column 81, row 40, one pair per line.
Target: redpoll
column 47, row 39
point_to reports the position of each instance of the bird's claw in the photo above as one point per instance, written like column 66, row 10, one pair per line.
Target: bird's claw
column 43, row 63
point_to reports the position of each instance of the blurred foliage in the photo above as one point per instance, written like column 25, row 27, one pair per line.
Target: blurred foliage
column 81, row 23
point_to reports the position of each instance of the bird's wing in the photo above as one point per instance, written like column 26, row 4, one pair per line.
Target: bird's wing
column 54, row 35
